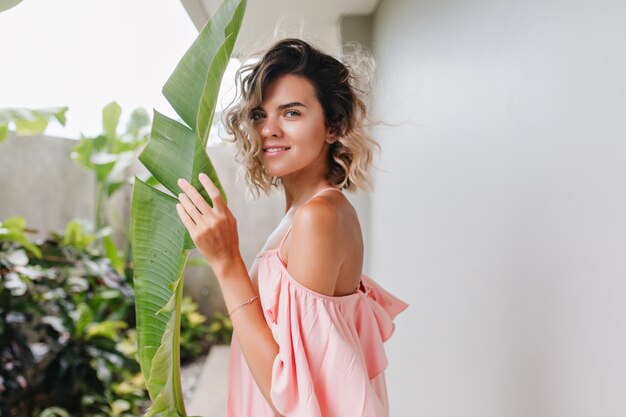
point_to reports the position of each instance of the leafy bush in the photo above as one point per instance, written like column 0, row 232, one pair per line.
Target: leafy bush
column 68, row 345
column 197, row 334
column 65, row 339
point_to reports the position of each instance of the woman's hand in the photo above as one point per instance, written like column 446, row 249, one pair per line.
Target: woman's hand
column 213, row 230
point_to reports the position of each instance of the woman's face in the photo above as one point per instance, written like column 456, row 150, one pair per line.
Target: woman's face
column 291, row 119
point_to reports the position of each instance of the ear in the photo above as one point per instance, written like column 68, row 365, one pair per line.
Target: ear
column 331, row 136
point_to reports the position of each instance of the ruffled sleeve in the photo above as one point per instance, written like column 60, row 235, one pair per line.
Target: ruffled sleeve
column 330, row 348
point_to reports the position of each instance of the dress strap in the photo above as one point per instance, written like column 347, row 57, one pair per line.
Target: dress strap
column 310, row 198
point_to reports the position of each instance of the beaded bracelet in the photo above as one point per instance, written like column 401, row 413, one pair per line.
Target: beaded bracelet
column 247, row 302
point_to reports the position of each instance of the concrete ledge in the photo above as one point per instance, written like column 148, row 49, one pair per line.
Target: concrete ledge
column 209, row 397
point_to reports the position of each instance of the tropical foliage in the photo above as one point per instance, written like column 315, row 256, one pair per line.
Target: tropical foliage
column 198, row 333
column 28, row 122
column 68, row 343
column 108, row 155
column 160, row 242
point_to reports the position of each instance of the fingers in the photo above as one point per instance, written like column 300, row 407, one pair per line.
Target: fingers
column 190, row 208
column 186, row 219
column 214, row 193
column 194, row 196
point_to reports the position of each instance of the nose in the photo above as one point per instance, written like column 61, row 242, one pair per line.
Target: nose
column 270, row 128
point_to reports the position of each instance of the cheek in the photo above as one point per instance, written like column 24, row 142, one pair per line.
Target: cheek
column 257, row 128
column 308, row 135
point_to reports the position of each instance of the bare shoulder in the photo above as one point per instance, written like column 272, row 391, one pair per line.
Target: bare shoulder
column 327, row 207
column 318, row 213
column 320, row 241
column 325, row 219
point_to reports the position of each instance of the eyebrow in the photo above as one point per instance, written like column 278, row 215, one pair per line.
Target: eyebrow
column 292, row 104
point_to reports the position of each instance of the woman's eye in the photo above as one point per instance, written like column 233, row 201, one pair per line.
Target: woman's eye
column 257, row 115
column 293, row 112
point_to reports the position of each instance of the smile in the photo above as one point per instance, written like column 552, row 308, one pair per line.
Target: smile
column 275, row 151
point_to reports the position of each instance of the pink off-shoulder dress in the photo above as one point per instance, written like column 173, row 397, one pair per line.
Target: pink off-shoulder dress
column 331, row 359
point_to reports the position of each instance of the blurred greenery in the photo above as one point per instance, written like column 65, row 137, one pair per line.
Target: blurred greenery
column 68, row 337
column 109, row 155
column 66, row 319
column 198, row 334
column 28, row 122
column 68, row 343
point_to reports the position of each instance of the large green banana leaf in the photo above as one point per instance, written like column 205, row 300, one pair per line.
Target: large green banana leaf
column 7, row 4
column 160, row 242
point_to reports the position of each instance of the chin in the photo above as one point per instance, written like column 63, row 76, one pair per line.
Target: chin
column 278, row 171
column 274, row 172
column 279, row 174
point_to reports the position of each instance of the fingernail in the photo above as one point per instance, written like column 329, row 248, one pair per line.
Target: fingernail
column 180, row 181
column 203, row 176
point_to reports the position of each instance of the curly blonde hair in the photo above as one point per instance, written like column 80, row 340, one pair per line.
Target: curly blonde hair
column 337, row 90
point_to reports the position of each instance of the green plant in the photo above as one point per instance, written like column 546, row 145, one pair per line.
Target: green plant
column 160, row 242
column 220, row 329
column 13, row 230
column 66, row 340
column 108, row 155
column 27, row 121
column 198, row 334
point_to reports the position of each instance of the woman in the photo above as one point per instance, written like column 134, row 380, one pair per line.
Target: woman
column 309, row 326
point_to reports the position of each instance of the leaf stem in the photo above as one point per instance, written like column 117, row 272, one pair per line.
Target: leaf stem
column 178, row 389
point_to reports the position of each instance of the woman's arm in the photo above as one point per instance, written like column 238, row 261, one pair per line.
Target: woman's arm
column 214, row 232
column 314, row 237
column 315, row 256
column 253, row 334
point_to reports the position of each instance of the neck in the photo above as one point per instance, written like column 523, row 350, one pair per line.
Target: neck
column 295, row 197
column 302, row 184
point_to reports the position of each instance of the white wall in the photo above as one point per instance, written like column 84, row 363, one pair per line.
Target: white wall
column 41, row 183
column 500, row 210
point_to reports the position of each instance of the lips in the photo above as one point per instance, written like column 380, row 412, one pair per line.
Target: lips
column 275, row 149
